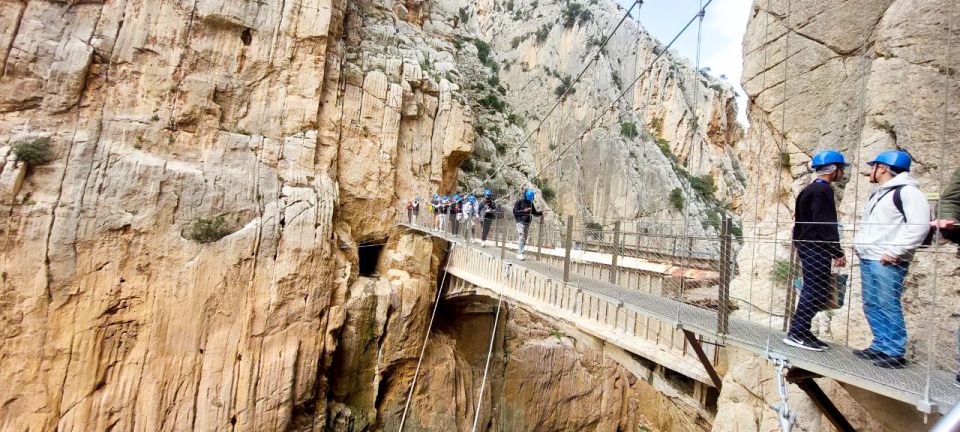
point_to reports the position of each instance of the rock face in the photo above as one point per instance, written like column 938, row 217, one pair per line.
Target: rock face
column 861, row 78
column 614, row 147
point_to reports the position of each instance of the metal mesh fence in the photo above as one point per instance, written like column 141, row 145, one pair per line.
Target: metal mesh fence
column 876, row 320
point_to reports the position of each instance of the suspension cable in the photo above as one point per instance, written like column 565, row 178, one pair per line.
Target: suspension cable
column 486, row 367
column 426, row 338
column 623, row 93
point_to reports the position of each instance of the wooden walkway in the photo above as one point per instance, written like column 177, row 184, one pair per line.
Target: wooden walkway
column 588, row 301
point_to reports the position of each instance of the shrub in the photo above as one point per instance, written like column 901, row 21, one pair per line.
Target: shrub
column 483, row 50
column 676, row 198
column 501, row 147
column 467, row 165
column 703, row 185
column 542, row 33
column 571, row 13
column 209, row 230
column 737, row 231
column 478, row 129
column 785, row 160
column 548, row 193
column 515, row 119
column 594, row 230
column 629, row 130
column 781, row 271
column 657, row 125
column 665, row 147
column 564, row 87
column 515, row 42
column 464, row 15
column 616, row 78
column 493, row 81
column 35, row 151
column 493, row 102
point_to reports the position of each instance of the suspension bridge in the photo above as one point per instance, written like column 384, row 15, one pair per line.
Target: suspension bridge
column 673, row 315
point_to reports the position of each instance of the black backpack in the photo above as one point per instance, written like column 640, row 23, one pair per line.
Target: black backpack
column 898, row 203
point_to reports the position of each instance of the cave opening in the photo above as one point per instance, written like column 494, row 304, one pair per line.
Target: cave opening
column 369, row 257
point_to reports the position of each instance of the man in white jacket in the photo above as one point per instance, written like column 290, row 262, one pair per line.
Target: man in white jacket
column 895, row 222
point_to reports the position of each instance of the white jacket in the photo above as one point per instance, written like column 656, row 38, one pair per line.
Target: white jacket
column 883, row 230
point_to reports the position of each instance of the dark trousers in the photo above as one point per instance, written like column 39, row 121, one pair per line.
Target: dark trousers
column 486, row 228
column 815, row 293
column 454, row 224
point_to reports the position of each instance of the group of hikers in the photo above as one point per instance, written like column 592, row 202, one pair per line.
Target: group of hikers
column 896, row 221
column 453, row 212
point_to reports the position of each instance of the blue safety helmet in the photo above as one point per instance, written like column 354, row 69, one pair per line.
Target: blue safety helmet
column 894, row 158
column 456, row 197
column 416, row 198
column 473, row 198
column 827, row 157
column 487, row 192
column 446, row 197
column 435, row 196
column 530, row 194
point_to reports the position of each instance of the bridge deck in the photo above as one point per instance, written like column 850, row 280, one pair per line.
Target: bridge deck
column 908, row 385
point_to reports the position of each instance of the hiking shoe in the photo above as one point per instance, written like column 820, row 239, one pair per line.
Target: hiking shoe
column 889, row 361
column 819, row 343
column 521, row 257
column 805, row 343
column 867, row 353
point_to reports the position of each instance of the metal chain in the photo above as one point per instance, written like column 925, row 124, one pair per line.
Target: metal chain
column 785, row 415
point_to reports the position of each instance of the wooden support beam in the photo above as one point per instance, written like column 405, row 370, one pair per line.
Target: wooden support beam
column 698, row 348
column 804, row 380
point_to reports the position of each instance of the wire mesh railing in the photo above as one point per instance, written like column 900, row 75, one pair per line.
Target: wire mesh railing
column 885, row 321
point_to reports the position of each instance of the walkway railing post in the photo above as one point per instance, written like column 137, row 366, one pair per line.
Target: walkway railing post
column 726, row 258
column 540, row 239
column 567, row 245
column 503, row 240
column 616, row 250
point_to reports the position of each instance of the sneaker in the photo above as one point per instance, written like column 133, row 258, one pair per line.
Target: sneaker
column 805, row 343
column 819, row 343
column 889, row 361
column 866, row 353
column 956, row 382
column 521, row 257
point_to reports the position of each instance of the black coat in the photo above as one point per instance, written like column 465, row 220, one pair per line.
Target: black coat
column 520, row 212
column 816, row 219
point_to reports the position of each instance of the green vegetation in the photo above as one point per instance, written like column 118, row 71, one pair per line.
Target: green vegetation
column 542, row 33
column 737, row 231
column 501, row 146
column 629, row 130
column 483, row 50
column 781, row 271
column 665, row 148
column 467, row 165
column 656, row 125
column 516, row 41
column 784, row 159
column 493, row 102
column 566, row 85
column 676, row 198
column 549, row 194
column 464, row 15
column 704, row 185
column 557, row 334
column 208, row 230
column 33, row 151
column 616, row 78
column 574, row 12
column 516, row 119
column 478, row 129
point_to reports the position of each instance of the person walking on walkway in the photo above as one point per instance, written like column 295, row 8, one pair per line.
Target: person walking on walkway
column 444, row 212
column 413, row 210
column 523, row 212
column 469, row 216
column 817, row 240
column 489, row 212
column 896, row 219
column 456, row 207
column 435, row 209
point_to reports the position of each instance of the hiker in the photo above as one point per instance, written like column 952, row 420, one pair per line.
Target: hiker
column 817, row 240
column 949, row 211
column 523, row 210
column 456, row 207
column 413, row 210
column 435, row 208
column 488, row 210
column 896, row 219
column 444, row 212
column 469, row 215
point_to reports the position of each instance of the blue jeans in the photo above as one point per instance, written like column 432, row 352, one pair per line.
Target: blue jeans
column 883, row 305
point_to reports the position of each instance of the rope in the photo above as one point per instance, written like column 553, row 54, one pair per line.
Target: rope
column 486, row 367
column 563, row 97
column 426, row 338
column 599, row 117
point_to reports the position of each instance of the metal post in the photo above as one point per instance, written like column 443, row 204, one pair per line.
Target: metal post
column 503, row 241
column 540, row 239
column 616, row 249
column 726, row 266
column 567, row 244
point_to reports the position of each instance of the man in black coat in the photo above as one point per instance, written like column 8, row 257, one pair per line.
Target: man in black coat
column 489, row 211
column 817, row 240
column 523, row 212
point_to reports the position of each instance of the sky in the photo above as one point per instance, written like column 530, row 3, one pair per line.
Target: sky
column 723, row 27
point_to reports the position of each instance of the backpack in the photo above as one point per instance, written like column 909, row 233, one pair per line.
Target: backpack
column 898, row 203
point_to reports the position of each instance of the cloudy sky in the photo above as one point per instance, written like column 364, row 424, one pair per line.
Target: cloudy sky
column 723, row 27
